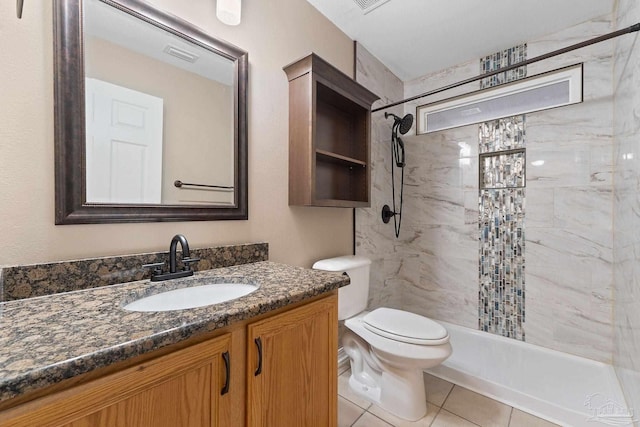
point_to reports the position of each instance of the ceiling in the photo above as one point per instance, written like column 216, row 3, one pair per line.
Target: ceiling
column 417, row 37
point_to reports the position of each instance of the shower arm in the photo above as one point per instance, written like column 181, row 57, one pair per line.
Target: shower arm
column 628, row 30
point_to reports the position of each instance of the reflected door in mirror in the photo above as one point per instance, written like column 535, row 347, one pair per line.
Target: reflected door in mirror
column 124, row 144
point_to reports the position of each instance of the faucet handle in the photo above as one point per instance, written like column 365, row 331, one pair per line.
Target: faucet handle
column 187, row 262
column 156, row 266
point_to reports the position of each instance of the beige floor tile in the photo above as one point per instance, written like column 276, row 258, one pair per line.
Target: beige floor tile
column 348, row 412
column 437, row 389
column 477, row 408
column 345, row 391
column 522, row 419
column 447, row 419
column 369, row 420
column 432, row 411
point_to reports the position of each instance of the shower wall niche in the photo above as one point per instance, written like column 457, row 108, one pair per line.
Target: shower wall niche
column 329, row 134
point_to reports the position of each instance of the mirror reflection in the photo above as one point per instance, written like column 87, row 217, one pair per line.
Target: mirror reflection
column 160, row 122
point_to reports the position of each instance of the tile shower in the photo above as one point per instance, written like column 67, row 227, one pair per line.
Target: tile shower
column 433, row 268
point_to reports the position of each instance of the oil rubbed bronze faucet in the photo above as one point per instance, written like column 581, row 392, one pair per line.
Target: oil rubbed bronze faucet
column 173, row 273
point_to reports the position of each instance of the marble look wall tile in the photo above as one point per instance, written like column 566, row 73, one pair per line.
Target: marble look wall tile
column 549, row 167
column 45, row 279
column 540, row 204
column 471, row 209
column 586, row 212
column 439, row 79
column 374, row 239
column 569, row 175
column 626, row 206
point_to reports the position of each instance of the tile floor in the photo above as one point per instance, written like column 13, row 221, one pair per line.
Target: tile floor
column 447, row 405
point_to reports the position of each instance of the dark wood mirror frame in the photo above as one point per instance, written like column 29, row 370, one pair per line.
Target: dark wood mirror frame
column 71, row 206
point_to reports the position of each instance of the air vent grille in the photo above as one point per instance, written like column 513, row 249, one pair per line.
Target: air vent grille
column 369, row 5
column 181, row 54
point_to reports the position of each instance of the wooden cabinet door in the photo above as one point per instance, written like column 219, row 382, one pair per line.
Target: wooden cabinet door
column 181, row 389
column 292, row 367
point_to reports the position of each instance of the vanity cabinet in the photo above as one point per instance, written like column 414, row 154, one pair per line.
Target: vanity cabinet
column 292, row 367
column 329, row 136
column 183, row 388
column 296, row 384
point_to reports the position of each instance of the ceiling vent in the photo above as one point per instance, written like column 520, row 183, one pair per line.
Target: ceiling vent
column 369, row 5
column 540, row 92
column 181, row 54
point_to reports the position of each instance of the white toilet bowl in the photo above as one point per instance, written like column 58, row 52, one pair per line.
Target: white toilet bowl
column 388, row 349
column 387, row 370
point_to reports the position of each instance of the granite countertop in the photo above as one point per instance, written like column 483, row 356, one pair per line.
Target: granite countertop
column 47, row 339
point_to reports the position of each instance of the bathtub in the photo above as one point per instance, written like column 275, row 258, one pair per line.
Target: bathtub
column 559, row 387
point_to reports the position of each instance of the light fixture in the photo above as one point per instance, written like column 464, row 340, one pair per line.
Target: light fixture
column 229, row 11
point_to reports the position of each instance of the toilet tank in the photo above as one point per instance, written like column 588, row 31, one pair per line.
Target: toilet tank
column 352, row 299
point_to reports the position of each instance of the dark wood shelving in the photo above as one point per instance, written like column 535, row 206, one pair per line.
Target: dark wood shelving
column 329, row 136
column 337, row 158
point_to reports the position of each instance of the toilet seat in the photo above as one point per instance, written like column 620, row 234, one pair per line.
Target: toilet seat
column 395, row 347
column 405, row 327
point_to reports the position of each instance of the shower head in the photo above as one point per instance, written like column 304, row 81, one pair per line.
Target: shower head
column 403, row 124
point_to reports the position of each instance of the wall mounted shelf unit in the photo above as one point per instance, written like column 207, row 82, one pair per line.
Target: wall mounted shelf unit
column 329, row 136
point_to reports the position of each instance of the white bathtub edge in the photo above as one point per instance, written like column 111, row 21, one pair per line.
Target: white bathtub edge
column 534, row 405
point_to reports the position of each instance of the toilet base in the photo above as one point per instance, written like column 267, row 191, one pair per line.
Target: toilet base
column 398, row 391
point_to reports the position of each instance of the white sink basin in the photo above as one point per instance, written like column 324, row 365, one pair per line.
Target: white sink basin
column 193, row 297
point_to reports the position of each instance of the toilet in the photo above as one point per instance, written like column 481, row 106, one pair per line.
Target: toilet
column 388, row 349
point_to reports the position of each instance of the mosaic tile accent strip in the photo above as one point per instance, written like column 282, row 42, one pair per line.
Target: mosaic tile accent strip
column 501, row 295
column 503, row 170
column 502, row 134
column 36, row 280
column 502, row 285
column 503, row 59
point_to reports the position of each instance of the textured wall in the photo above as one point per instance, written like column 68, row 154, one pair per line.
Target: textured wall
column 274, row 34
column 627, row 205
column 568, row 210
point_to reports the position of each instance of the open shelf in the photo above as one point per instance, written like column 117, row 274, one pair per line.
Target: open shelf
column 337, row 158
column 329, row 163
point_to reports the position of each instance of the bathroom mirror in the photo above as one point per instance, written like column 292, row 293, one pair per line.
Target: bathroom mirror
column 150, row 117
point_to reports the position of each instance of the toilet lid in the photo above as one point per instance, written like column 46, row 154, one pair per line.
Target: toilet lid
column 404, row 326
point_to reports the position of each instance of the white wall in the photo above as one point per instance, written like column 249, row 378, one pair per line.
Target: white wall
column 274, row 34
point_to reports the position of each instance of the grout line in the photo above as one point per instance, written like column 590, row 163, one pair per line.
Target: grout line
column 351, row 401
column 360, row 416
column 436, row 415
column 448, row 394
column 460, row 416
column 384, row 421
column 510, row 416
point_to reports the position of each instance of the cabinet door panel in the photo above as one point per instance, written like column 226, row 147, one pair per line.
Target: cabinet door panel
column 181, row 401
column 175, row 390
column 298, row 382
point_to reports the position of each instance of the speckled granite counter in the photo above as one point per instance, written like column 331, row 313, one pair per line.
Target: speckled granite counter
column 48, row 339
